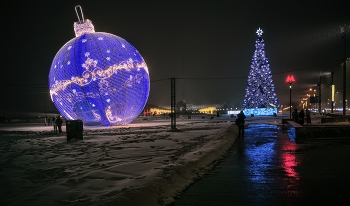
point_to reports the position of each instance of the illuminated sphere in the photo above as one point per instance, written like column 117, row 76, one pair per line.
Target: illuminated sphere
column 98, row 78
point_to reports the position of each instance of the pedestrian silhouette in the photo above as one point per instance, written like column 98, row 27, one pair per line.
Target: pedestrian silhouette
column 295, row 116
column 240, row 123
column 59, row 123
column 54, row 124
column 301, row 117
column 308, row 117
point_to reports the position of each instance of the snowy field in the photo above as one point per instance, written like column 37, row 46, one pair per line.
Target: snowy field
column 139, row 164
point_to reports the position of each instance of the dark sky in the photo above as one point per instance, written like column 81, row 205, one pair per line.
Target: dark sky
column 207, row 45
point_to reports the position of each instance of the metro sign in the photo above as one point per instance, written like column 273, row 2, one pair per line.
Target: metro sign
column 290, row 79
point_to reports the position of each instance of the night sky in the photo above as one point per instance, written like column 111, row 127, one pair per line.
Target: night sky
column 207, row 45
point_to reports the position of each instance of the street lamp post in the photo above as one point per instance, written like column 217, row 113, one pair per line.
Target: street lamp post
column 290, row 79
column 45, row 110
column 343, row 31
column 319, row 96
column 332, row 95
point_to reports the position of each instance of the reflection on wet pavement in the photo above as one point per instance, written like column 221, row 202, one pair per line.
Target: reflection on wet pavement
column 270, row 162
column 267, row 167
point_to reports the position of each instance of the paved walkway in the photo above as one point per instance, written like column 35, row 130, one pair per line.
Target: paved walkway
column 269, row 168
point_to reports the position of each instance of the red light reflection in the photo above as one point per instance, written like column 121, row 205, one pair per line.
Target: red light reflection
column 289, row 160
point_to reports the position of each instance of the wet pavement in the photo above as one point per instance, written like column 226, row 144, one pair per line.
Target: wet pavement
column 267, row 167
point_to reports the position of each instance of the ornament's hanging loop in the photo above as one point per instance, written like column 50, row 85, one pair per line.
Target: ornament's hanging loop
column 81, row 11
column 82, row 26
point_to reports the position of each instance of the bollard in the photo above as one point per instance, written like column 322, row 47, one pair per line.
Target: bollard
column 74, row 129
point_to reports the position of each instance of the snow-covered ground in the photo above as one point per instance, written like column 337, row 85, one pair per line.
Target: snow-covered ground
column 143, row 163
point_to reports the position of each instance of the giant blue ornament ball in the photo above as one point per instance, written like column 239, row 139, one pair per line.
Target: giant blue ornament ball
column 98, row 78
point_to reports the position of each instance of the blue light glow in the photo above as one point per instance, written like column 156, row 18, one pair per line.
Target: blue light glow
column 260, row 111
column 99, row 78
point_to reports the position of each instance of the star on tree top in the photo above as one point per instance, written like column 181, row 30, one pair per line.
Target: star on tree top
column 259, row 32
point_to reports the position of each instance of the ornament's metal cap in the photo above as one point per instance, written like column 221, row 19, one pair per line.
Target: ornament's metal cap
column 83, row 27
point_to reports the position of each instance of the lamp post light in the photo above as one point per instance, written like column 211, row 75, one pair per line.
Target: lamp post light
column 290, row 79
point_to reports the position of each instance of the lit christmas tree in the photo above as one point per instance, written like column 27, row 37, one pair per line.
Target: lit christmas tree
column 260, row 97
